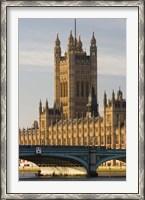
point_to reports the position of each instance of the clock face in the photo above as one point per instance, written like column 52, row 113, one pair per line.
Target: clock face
column 93, row 53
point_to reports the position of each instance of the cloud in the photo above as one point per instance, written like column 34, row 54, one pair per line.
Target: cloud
column 36, row 44
column 39, row 60
column 112, row 65
column 36, row 60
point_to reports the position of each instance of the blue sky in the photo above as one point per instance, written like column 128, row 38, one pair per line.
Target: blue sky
column 36, row 59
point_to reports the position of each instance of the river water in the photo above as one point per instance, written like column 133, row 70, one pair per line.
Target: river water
column 101, row 177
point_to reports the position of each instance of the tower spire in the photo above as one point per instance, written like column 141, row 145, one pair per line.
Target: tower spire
column 40, row 107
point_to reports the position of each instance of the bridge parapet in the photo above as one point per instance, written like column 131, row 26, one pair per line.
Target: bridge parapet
column 67, row 149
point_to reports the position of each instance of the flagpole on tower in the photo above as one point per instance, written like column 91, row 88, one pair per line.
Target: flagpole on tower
column 75, row 32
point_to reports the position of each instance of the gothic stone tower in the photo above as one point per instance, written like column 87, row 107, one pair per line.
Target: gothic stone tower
column 47, row 117
column 115, row 120
column 75, row 74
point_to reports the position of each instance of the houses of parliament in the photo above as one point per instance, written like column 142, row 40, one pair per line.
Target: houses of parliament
column 75, row 118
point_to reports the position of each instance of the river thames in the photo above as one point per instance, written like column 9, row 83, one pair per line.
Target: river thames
column 101, row 177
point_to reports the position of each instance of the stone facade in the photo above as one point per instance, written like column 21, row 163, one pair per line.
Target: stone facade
column 75, row 74
column 74, row 119
column 109, row 130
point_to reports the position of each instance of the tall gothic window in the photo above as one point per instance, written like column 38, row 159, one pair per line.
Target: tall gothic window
column 60, row 89
column 77, row 89
column 87, row 89
column 63, row 89
column 82, row 88
column 66, row 89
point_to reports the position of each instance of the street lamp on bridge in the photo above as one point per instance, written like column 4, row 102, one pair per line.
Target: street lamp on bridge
column 91, row 157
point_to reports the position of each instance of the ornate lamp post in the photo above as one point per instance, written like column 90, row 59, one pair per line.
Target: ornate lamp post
column 89, row 141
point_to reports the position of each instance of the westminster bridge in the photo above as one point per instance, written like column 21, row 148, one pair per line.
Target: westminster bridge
column 90, row 157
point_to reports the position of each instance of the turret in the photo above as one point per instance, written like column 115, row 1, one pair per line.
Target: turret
column 119, row 95
column 57, row 48
column 113, row 97
column 70, row 42
column 93, row 47
column 57, row 56
column 93, row 62
column 46, row 106
column 57, row 41
column 40, row 107
column 93, row 40
column 105, row 99
column 79, row 44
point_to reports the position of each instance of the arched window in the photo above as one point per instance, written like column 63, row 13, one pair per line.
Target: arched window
column 61, row 89
column 82, row 88
column 77, row 89
column 87, row 89
column 66, row 89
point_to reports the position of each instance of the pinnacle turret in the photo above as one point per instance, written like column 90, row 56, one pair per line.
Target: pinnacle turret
column 113, row 96
column 70, row 42
column 93, row 49
column 40, row 106
column 93, row 40
column 119, row 95
column 105, row 98
column 57, row 41
column 46, row 104
column 71, row 36
column 57, row 48
column 79, row 44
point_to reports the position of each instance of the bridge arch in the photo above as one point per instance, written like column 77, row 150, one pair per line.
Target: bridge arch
column 113, row 157
column 69, row 157
column 74, row 158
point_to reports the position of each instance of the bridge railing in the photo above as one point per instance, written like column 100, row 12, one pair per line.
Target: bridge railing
column 78, row 149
